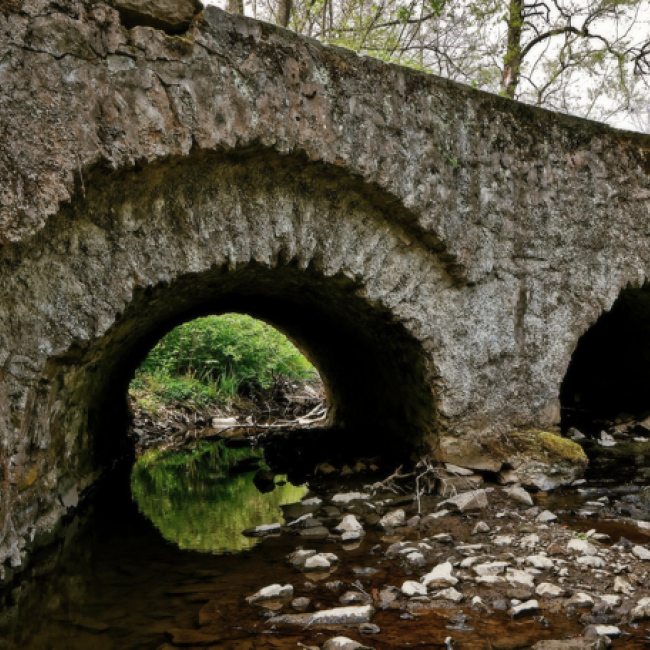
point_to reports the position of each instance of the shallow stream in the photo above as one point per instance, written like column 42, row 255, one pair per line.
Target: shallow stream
column 171, row 569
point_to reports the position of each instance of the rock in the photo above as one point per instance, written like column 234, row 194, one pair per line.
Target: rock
column 503, row 540
column 448, row 594
column 416, row 559
column 481, row 527
column 544, row 460
column 582, row 546
column 529, row 541
column 490, row 568
column 343, row 643
column 575, row 435
column 603, row 630
column 641, row 553
column 315, row 532
column 458, row 471
column 606, row 440
column 170, row 15
column 369, row 628
column 519, row 494
column 641, row 611
column 453, row 485
column 393, row 520
column 350, row 524
column 299, row 557
column 592, row 561
column 622, row 586
column 349, row 497
column 468, row 453
column 430, row 518
column 300, row 509
column 539, row 562
column 468, row 501
column 354, row 615
column 272, row 592
column 354, row 598
column 525, row 609
column 301, row 604
column 263, row 531
column 615, row 601
column 317, row 563
column 518, row 578
column 411, row 588
column 413, row 521
column 580, row 600
column 507, row 477
column 549, row 590
column 545, row 517
column 580, row 643
column 440, row 577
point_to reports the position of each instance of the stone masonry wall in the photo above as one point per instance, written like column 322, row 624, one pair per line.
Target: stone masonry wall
column 452, row 244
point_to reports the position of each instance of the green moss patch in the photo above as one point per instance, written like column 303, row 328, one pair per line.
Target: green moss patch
column 552, row 447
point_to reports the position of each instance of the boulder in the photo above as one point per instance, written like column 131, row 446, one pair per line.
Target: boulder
column 544, row 460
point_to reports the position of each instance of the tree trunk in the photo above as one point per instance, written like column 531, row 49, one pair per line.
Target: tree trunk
column 512, row 59
column 284, row 12
column 236, row 6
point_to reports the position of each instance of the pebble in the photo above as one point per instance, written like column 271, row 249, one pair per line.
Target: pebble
column 481, row 527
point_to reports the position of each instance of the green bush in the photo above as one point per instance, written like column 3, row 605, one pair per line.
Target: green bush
column 211, row 359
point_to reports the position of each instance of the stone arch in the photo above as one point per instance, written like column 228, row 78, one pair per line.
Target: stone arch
column 300, row 246
column 609, row 371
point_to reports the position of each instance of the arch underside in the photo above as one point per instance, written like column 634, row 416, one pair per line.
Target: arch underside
column 146, row 250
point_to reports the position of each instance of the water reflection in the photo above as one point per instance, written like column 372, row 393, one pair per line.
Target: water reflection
column 197, row 501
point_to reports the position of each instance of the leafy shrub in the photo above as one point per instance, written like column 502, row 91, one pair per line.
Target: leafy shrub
column 211, row 359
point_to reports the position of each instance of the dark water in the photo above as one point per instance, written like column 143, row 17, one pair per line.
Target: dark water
column 125, row 582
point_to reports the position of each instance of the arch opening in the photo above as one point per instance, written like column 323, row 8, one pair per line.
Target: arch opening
column 375, row 374
column 608, row 378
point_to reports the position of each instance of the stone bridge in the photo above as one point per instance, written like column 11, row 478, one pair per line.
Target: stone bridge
column 437, row 252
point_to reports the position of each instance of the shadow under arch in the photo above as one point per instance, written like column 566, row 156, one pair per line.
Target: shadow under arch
column 609, row 371
column 375, row 375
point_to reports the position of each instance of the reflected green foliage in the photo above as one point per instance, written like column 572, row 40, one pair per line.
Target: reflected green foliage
column 195, row 502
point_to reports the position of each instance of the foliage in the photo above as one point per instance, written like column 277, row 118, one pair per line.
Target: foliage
column 195, row 502
column 588, row 57
column 209, row 360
